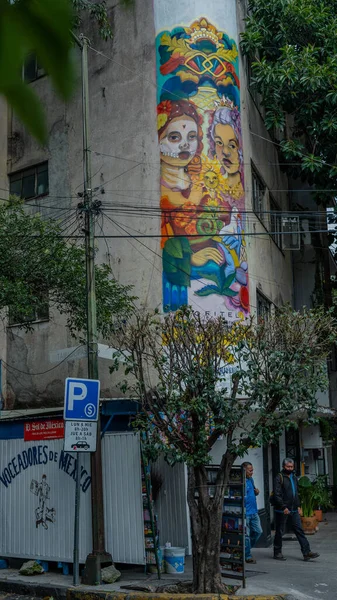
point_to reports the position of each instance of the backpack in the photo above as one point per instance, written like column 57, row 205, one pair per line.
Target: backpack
column 272, row 495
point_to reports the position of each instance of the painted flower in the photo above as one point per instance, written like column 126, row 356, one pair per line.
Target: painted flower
column 164, row 107
column 244, row 297
column 163, row 111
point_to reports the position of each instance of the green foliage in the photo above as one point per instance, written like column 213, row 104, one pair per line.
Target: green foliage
column 37, row 262
column 322, row 493
column 293, row 48
column 328, row 429
column 314, row 495
column 42, row 27
column 306, row 491
column 180, row 366
column 99, row 13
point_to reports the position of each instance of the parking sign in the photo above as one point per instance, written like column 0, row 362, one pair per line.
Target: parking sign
column 81, row 399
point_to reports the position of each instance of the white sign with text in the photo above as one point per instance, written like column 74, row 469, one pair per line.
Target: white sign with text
column 80, row 436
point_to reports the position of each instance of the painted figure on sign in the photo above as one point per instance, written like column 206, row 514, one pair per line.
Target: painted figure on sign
column 42, row 512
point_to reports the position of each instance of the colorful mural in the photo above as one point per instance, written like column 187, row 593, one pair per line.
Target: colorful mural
column 202, row 175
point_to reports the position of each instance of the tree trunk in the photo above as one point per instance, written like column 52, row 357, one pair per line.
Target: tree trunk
column 206, row 520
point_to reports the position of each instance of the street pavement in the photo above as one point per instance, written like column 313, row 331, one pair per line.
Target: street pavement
column 313, row 580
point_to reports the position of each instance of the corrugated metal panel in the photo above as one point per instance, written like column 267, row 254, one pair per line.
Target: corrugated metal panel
column 171, row 505
column 123, row 505
column 26, row 502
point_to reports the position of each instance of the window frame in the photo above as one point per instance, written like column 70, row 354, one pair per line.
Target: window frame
column 276, row 231
column 266, row 303
column 38, row 69
column 259, row 211
column 23, row 174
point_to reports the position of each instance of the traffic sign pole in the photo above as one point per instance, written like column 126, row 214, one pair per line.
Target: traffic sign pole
column 76, row 566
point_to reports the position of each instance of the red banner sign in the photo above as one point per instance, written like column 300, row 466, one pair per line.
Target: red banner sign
column 51, row 429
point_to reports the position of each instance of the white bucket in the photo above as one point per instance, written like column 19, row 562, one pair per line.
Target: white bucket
column 174, row 559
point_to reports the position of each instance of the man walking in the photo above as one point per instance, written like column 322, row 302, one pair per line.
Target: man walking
column 286, row 503
column 253, row 524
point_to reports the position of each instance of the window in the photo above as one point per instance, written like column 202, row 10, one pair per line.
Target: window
column 258, row 191
column 39, row 314
column 29, row 183
column 31, row 69
column 263, row 306
column 275, row 222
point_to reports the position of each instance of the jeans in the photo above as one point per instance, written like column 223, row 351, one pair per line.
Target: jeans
column 253, row 532
column 280, row 522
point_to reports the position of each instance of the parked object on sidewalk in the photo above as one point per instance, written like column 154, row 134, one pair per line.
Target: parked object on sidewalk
column 110, row 574
column 318, row 515
column 307, row 493
column 174, row 559
column 31, row 567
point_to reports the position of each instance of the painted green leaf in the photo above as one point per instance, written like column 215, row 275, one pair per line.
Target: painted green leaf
column 229, row 280
column 174, row 248
column 229, row 292
column 208, row 290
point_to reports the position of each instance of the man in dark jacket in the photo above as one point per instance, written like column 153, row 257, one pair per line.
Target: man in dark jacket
column 287, row 505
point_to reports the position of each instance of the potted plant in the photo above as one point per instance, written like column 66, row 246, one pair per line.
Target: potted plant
column 322, row 496
column 306, row 490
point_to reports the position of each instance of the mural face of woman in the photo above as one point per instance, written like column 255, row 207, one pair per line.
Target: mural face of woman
column 227, row 148
column 179, row 141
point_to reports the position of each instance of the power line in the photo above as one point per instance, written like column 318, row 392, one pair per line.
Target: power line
column 179, row 97
column 42, row 372
column 258, row 164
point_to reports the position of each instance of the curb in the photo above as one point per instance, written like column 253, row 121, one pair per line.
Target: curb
column 78, row 594
column 63, row 593
column 39, row 590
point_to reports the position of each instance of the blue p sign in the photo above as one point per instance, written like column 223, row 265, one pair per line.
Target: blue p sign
column 81, row 399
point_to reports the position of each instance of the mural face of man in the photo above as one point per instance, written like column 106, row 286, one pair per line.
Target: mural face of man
column 179, row 141
column 227, row 148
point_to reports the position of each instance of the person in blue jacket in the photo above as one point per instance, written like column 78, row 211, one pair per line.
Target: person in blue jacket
column 253, row 523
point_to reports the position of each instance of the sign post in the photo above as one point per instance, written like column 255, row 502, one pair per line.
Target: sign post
column 81, row 410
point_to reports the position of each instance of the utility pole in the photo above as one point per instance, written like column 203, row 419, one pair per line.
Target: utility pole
column 98, row 556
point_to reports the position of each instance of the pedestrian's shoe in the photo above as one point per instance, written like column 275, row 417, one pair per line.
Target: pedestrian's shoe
column 251, row 561
column 279, row 556
column 310, row 555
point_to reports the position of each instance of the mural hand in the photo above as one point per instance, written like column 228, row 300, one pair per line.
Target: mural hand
column 203, row 256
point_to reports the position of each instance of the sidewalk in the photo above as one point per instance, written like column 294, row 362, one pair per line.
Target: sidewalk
column 295, row 578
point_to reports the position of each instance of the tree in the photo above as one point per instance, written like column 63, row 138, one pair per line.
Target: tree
column 176, row 367
column 39, row 265
column 43, row 27
column 292, row 45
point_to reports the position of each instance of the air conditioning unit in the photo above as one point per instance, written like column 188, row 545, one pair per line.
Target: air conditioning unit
column 291, row 239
